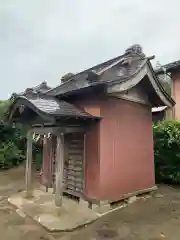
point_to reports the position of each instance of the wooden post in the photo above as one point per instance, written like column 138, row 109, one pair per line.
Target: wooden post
column 28, row 164
column 44, row 167
column 50, row 161
column 59, row 170
column 84, row 164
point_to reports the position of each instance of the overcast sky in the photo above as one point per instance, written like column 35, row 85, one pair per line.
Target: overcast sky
column 44, row 39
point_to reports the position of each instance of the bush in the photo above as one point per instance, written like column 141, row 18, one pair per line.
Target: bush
column 13, row 141
column 10, row 155
column 167, row 151
column 13, row 147
column 37, row 155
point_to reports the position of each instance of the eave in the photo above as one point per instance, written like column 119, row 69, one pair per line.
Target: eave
column 169, row 68
column 146, row 71
column 48, row 108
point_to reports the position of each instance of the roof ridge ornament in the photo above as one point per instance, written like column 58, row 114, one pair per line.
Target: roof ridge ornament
column 92, row 76
column 42, row 84
column 135, row 49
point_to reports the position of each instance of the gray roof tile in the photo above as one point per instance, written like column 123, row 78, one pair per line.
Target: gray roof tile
column 168, row 67
column 52, row 106
column 80, row 81
column 41, row 88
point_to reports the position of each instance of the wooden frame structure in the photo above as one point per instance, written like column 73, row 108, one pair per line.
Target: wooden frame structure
column 59, row 161
column 116, row 91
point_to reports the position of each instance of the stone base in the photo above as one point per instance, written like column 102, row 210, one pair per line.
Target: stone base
column 84, row 203
column 71, row 215
column 28, row 194
column 42, row 209
column 131, row 199
column 104, row 207
column 127, row 196
column 100, row 208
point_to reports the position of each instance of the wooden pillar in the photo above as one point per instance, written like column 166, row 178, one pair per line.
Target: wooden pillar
column 59, row 170
column 54, row 144
column 28, row 164
column 84, row 165
column 50, row 160
column 46, row 167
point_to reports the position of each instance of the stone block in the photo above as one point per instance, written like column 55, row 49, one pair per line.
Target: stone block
column 21, row 213
column 102, row 208
column 84, row 203
column 131, row 199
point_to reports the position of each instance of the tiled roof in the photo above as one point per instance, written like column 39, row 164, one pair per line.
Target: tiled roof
column 41, row 88
column 80, row 80
column 51, row 106
column 168, row 67
column 132, row 63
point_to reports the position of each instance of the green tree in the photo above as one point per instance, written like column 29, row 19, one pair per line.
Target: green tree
column 4, row 107
column 12, row 140
column 167, row 87
column 164, row 78
column 167, row 151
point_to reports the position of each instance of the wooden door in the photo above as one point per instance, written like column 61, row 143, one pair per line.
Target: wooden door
column 74, row 163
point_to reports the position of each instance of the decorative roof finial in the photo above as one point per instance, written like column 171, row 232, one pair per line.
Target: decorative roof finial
column 43, row 84
column 135, row 49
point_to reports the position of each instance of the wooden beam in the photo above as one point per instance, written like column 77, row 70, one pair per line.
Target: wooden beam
column 56, row 130
column 43, row 130
column 59, row 170
column 28, row 164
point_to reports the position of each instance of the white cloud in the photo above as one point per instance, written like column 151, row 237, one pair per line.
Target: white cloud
column 42, row 40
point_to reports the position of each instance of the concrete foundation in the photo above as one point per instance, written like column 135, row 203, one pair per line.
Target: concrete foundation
column 71, row 215
column 41, row 208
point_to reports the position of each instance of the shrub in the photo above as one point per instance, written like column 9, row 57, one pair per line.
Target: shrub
column 13, row 141
column 10, row 155
column 37, row 155
column 167, row 151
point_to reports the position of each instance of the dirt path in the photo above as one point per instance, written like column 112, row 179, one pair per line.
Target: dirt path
column 147, row 219
column 12, row 226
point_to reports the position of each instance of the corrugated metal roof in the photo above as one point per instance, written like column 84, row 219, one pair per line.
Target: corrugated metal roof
column 51, row 106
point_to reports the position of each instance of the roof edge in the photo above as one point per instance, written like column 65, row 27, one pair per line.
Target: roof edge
column 168, row 67
column 50, row 116
column 145, row 70
column 84, row 71
column 158, row 109
column 22, row 100
column 169, row 98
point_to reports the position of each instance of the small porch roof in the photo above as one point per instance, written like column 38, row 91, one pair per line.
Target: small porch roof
column 46, row 106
